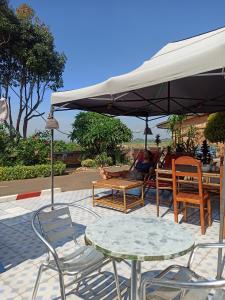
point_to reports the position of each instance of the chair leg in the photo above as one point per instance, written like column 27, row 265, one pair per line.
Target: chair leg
column 224, row 227
column 185, row 212
column 175, row 211
column 116, row 280
column 202, row 218
column 157, row 201
column 62, row 287
column 209, row 210
column 37, row 282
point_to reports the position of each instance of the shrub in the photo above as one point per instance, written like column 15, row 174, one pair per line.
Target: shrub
column 25, row 172
column 89, row 163
column 103, row 160
column 215, row 128
column 32, row 151
column 96, row 133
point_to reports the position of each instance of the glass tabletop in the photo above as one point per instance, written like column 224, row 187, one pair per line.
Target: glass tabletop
column 140, row 238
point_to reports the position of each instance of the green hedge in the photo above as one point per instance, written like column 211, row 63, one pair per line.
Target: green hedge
column 89, row 163
column 25, row 172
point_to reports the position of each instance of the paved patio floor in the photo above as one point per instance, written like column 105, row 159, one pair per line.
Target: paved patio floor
column 21, row 252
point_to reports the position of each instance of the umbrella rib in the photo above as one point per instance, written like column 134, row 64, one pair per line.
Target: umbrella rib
column 204, row 101
column 185, row 98
column 184, row 107
column 151, row 103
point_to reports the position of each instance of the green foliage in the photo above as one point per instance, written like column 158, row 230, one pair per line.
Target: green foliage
column 61, row 146
column 31, row 151
column 24, row 172
column 8, row 25
column 28, row 61
column 7, row 147
column 103, row 160
column 175, row 123
column 96, row 133
column 88, row 163
column 206, row 156
column 215, row 128
column 188, row 142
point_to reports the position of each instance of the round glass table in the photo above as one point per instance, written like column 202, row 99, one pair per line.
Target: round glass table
column 138, row 239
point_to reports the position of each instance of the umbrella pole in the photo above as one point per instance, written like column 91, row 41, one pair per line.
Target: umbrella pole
column 221, row 231
column 52, row 160
column 146, row 134
column 52, row 168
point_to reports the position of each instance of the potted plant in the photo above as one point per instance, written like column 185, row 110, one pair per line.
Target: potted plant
column 206, row 156
column 157, row 140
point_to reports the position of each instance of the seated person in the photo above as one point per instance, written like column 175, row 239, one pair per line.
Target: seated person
column 140, row 170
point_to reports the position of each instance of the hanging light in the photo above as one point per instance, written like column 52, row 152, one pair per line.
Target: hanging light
column 147, row 131
column 51, row 123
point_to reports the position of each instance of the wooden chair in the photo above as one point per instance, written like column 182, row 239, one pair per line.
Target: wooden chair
column 188, row 189
column 150, row 178
column 162, row 181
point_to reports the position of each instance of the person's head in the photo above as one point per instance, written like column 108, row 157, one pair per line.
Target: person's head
column 148, row 155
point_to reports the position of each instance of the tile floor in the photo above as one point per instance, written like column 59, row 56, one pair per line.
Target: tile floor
column 21, row 252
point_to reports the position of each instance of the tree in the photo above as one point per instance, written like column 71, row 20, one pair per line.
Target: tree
column 9, row 43
column 31, row 66
column 215, row 128
column 206, row 156
column 96, row 134
column 8, row 24
column 175, row 124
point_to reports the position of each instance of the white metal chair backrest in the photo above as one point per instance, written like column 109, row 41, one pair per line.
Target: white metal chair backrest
column 56, row 225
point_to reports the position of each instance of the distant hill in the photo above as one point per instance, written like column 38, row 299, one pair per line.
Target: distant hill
column 150, row 140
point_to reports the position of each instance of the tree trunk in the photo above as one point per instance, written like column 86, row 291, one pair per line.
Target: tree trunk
column 20, row 111
column 25, row 125
column 10, row 120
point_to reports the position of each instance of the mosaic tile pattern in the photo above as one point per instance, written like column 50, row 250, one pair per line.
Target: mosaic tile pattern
column 21, row 252
column 169, row 240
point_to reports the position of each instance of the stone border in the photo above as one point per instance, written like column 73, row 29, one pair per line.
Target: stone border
column 29, row 195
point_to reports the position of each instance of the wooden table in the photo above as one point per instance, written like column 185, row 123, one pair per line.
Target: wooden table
column 211, row 182
column 211, row 179
column 118, row 198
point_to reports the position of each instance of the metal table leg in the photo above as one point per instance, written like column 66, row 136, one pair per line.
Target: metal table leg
column 135, row 279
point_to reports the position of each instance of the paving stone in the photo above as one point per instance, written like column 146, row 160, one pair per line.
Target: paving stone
column 21, row 252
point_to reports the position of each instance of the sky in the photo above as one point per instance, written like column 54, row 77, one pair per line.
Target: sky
column 107, row 38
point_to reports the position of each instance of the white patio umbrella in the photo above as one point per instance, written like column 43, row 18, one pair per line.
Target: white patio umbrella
column 184, row 77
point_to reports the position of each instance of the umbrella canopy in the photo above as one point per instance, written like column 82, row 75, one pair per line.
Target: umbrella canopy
column 184, row 77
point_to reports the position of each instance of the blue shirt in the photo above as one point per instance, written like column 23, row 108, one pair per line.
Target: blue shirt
column 143, row 166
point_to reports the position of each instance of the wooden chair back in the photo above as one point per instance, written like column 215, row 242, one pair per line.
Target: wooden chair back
column 186, row 169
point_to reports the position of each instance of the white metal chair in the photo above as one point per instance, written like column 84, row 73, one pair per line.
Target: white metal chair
column 184, row 284
column 54, row 227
